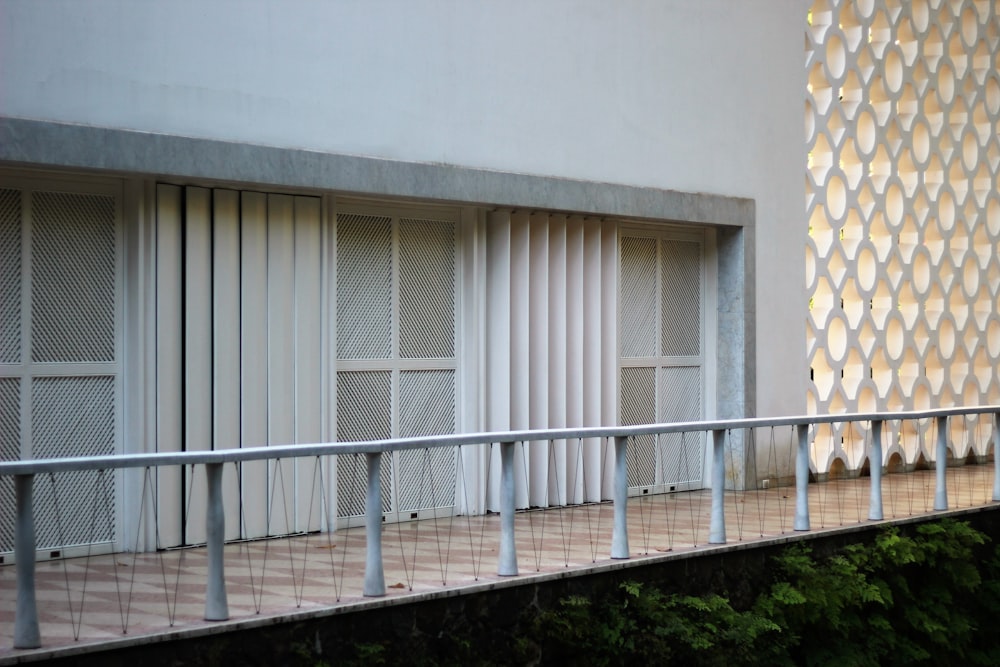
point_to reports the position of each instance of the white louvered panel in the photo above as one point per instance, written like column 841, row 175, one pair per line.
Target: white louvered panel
column 680, row 309
column 197, row 351
column 364, row 287
column 426, row 407
column 574, row 353
column 10, row 276
column 73, row 276
column 638, row 406
column 538, row 356
column 638, row 297
column 226, row 339
column 519, row 348
column 309, row 325
column 253, row 358
column 426, row 289
column 497, row 339
column 609, row 339
column 74, row 416
column 10, row 450
column 556, row 307
column 169, row 360
column 364, row 412
column 680, row 401
column 281, row 398
column 593, row 383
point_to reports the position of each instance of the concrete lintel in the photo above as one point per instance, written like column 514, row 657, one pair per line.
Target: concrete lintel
column 47, row 144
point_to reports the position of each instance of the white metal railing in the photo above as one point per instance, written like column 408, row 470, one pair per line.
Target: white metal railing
column 26, row 625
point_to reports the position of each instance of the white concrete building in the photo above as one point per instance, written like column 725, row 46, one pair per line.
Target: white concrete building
column 231, row 224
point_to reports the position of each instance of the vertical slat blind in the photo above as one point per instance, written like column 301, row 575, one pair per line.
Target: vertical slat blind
column 239, row 320
column 547, row 351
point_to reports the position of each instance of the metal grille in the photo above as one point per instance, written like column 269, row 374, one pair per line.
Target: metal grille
column 72, row 277
column 364, row 412
column 74, row 416
column 680, row 400
column 638, row 406
column 10, row 450
column 426, row 407
column 10, row 276
column 638, row 297
column 426, row 289
column 680, row 313
column 364, row 287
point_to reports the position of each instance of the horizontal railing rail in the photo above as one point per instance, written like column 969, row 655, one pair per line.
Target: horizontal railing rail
column 154, row 459
column 26, row 627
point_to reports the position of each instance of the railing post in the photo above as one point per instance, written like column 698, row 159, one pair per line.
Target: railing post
column 996, row 456
column 26, row 633
column 941, row 465
column 507, row 561
column 619, row 534
column 216, row 603
column 374, row 574
column 875, row 469
column 717, row 524
column 802, row 479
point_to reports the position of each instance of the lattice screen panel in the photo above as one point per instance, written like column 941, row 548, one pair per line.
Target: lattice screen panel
column 10, row 450
column 364, row 412
column 74, row 416
column 364, row 287
column 10, row 276
column 680, row 401
column 902, row 118
column 426, row 289
column 638, row 406
column 680, row 298
column 426, row 407
column 638, row 297
column 73, row 271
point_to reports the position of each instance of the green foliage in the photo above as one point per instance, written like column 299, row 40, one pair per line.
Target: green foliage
column 901, row 599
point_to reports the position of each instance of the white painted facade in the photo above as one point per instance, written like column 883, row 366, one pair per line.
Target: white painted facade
column 701, row 98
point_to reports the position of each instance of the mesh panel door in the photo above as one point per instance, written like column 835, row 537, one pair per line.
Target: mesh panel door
column 364, row 412
column 426, row 289
column 73, row 278
column 10, row 444
column 426, row 407
column 680, row 299
column 10, row 276
column 74, row 416
column 638, row 406
column 680, row 400
column 59, row 368
column 364, row 287
column 638, row 297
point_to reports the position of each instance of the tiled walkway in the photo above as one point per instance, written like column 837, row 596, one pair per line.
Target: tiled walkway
column 126, row 598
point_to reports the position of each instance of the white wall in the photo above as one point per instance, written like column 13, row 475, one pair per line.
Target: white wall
column 700, row 96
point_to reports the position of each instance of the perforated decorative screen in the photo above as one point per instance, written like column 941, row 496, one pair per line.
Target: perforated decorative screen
column 426, row 289
column 10, row 276
column 902, row 125
column 364, row 287
column 74, row 416
column 680, row 295
column 73, row 272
